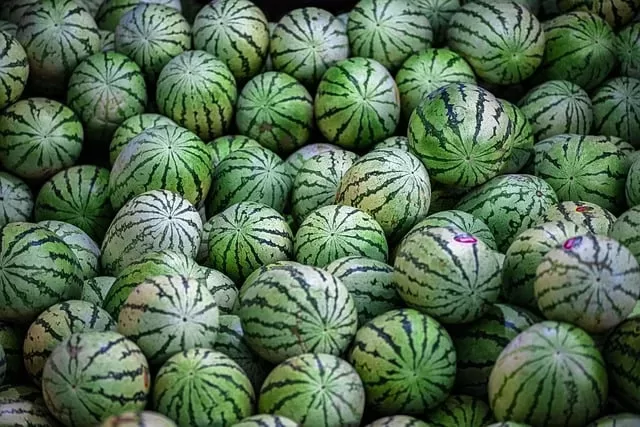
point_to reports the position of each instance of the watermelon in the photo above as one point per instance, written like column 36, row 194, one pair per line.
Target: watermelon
column 265, row 420
column 39, row 138
column 398, row 421
column 448, row 274
column 133, row 127
column 616, row 109
column 504, row 42
column 632, row 185
column 392, row 186
column 107, row 41
column 579, row 48
column 80, row 196
column 217, row 389
column 296, row 309
column 439, row 13
column 19, row 412
column 138, row 419
column 462, row 134
column 626, row 230
column 11, row 339
column 295, row 160
column 14, row 69
column 595, row 219
column 618, row 420
column 461, row 411
column 13, row 10
column 17, row 200
column 92, row 375
column 198, row 92
column 336, row 231
column 223, row 146
column 165, row 315
column 522, row 139
column 152, row 221
column 95, row 290
column 348, row 119
column 303, row 387
column 235, row 31
column 9, row 28
column 306, row 42
column 388, row 32
column 111, row 11
column 445, row 197
column 427, row 71
column 620, row 354
column 280, row 265
column 83, row 247
column 104, row 90
column 29, row 393
column 246, row 236
column 628, row 50
column 616, row 12
column 399, row 142
column 55, row 324
column 406, row 360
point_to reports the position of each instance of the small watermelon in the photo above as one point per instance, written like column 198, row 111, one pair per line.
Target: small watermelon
column 111, row 11
column 620, row 352
column 138, row 419
column 628, row 50
column 399, row 142
column 594, row 218
column 439, row 13
column 14, row 69
column 225, row 145
column 616, row 109
column 521, row 139
column 398, row 421
column 265, row 420
column 133, row 127
column 460, row 411
column 295, row 161
column 95, row 290
column 17, row 200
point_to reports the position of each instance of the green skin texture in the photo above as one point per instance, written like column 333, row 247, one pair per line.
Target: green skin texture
column 616, row 12
column 399, row 142
column 223, row 146
column 17, row 200
column 618, row 420
column 246, row 236
column 503, row 42
column 616, row 109
column 461, row 410
column 95, row 290
column 11, row 340
column 427, row 71
column 444, row 197
column 79, row 196
column 462, row 134
column 297, row 159
column 54, row 325
column 439, row 13
column 111, row 12
column 9, row 28
column 282, row 265
column 198, row 92
column 107, row 41
column 237, row 32
column 105, row 90
column 13, row 10
column 217, row 388
column 57, row 270
column 620, row 355
column 296, row 309
column 357, row 104
column 29, row 393
column 398, row 421
column 275, row 110
column 522, row 139
column 388, row 31
column 75, row 388
column 626, row 230
column 632, row 185
column 151, row 35
column 525, row 254
column 448, row 274
column 39, row 138
column 588, row 215
column 264, row 420
column 392, row 186
column 557, row 107
column 14, row 69
column 165, row 315
column 21, row 412
column 406, row 361
column 138, row 419
column 133, row 127
column 3, row 365
column 162, row 158
column 560, row 360
column 316, row 382
column 628, row 50
column 336, row 231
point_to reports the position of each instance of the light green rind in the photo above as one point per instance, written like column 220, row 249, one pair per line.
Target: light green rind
column 264, row 420
column 632, row 185
column 522, row 139
column 461, row 411
column 621, row 355
column 398, row 421
column 138, row 419
column 399, row 142
column 83, row 247
column 439, row 13
column 111, row 11
column 295, row 161
column 95, row 290
column 617, row 420
column 17, row 200
column 626, row 230
column 225, row 145
column 133, row 127
column 107, row 41
column 628, row 50
column 595, row 219
column 616, row 109
column 14, row 69
column 24, row 413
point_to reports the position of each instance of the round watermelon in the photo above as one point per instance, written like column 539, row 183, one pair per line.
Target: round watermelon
column 13, row 10
column 138, row 419
column 399, row 142
column 522, row 139
column 461, row 410
column 632, row 185
column 17, row 200
column 225, row 145
column 264, row 420
column 398, row 421
column 95, row 290
column 439, row 13
column 616, row 109
column 594, row 218
column 628, row 50
column 626, row 230
column 111, row 12
column 295, row 161
column 14, row 69
column 620, row 355
column 133, row 127
column 83, row 247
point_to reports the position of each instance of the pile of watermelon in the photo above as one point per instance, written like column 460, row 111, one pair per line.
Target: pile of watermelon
column 413, row 213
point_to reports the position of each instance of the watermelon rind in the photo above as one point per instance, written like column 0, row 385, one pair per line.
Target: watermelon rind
column 616, row 109
column 14, row 69
column 460, row 410
column 9, row 28
column 626, row 230
column 138, row 419
column 628, row 50
column 221, row 147
column 521, row 139
column 95, row 290
column 295, row 160
column 17, row 200
column 617, row 420
column 107, row 41
column 111, row 11
column 398, row 421
column 19, row 412
column 399, row 142
column 632, row 185
column 266, row 420
column 439, row 13
column 133, row 127
column 620, row 354
column 588, row 215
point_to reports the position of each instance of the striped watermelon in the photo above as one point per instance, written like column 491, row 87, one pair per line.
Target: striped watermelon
column 91, row 6
column 628, row 50
column 306, row 42
column 13, row 10
column 165, row 315
column 58, row 143
column 280, row 265
column 504, row 42
column 618, row 420
column 198, row 92
column 17, row 200
column 303, row 387
column 83, row 247
column 632, row 185
column 557, row 107
column 427, row 71
column 392, row 186
column 336, row 231
column 249, row 175
column 93, row 375
column 9, row 28
column 221, row 287
column 347, row 119
column 37, row 270
column 95, row 290
column 297, row 309
column 78, row 195
column 111, row 11
column 11, row 339
column 388, row 31
column 138, row 419
column 562, row 362
column 532, row 5
column 398, row 421
column 616, row 12
column 525, row 254
column 104, row 90
column 295, row 161
column 246, row 236
column 439, row 13
column 235, row 31
column 579, row 48
column 275, row 110
column 29, row 393
column 14, row 69
column 133, row 127
column 57, row 323
column 626, row 230
column 620, row 354
column 153, row 221
column 462, row 134
column 223, row 146
column 521, row 138
column 107, row 41
column 201, row 388
column 448, row 274
column 616, row 109
column 406, row 361
column 19, row 412
column 462, row 411
column 399, row 142
column 265, row 420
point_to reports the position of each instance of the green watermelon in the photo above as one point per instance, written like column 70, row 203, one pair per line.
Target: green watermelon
column 152, row 221
column 221, row 287
column 626, row 230
column 589, row 215
column 39, row 138
column 398, row 421
column 55, row 324
column 235, row 31
column 133, row 127
column 632, row 185
column 618, row 420
column 111, row 12
column 283, row 265
column 225, row 145
column 138, row 419
column 522, row 139
column 14, row 69
column 19, row 412
column 388, row 31
column 392, row 186
column 13, row 10
column 217, row 389
column 95, row 290
column 295, row 161
column 92, row 375
column 616, row 12
column 439, row 13
column 460, row 411
column 628, row 50
column 462, row 134
column 198, row 92
column 17, row 200
column 11, row 339
column 297, row 309
column 29, row 393
column 265, row 420
column 620, row 354
column 399, row 142
column 504, row 42
column 616, row 109
column 406, row 360
column 346, row 117
column 83, row 247
column 9, row 28
column 107, row 41
column 303, row 387
column 306, row 42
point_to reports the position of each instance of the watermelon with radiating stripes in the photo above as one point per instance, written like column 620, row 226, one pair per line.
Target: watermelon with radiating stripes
column 111, row 11
column 628, row 50
column 14, row 69
column 616, row 109
column 589, row 215
column 138, row 419
column 295, row 161
column 95, row 290
column 621, row 355
column 399, row 142
column 460, row 410
column 225, row 145
column 133, row 127
column 439, row 13
column 17, row 199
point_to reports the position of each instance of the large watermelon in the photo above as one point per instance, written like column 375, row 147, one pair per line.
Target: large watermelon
column 17, row 200
column 133, row 127
column 620, row 353
column 628, row 50
column 616, row 109
column 14, row 69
